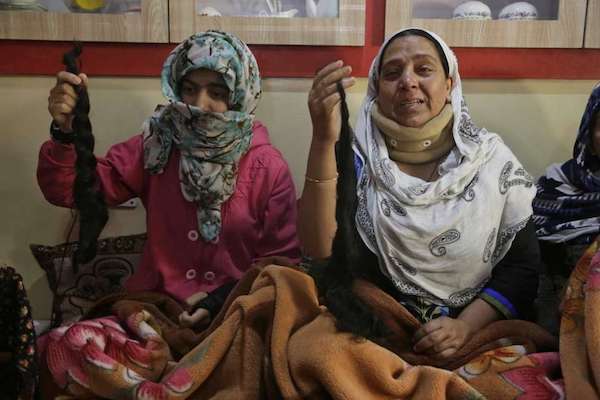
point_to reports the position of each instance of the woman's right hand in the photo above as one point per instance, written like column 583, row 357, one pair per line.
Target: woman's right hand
column 324, row 101
column 63, row 98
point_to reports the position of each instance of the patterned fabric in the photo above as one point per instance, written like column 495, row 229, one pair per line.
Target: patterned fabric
column 424, row 232
column 75, row 292
column 567, row 205
column 17, row 338
column 211, row 144
column 509, row 372
column 424, row 310
column 82, row 358
column 580, row 327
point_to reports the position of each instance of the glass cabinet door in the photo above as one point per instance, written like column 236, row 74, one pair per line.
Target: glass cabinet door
column 493, row 23
column 302, row 22
column 86, row 20
column 592, row 25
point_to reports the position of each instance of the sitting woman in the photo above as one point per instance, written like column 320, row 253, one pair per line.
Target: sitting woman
column 566, row 208
column 218, row 195
column 566, row 212
column 438, row 209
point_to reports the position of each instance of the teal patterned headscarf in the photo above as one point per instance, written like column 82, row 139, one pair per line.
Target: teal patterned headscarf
column 211, row 144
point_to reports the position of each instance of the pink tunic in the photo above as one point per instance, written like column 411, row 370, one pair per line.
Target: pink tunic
column 259, row 219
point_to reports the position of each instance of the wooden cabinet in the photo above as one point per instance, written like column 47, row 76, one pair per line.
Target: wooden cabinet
column 560, row 23
column 347, row 29
column 149, row 23
column 592, row 25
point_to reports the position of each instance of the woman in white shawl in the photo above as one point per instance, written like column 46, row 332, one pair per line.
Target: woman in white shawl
column 442, row 206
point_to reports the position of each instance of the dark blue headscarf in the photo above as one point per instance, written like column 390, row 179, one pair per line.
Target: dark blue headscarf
column 584, row 160
column 567, row 205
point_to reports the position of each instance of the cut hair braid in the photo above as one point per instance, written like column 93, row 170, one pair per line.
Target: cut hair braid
column 350, row 258
column 87, row 190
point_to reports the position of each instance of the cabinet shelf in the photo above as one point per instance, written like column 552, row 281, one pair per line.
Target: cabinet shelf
column 149, row 25
column 564, row 31
column 347, row 29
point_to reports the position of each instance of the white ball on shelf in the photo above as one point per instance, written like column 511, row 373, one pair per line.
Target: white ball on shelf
column 210, row 12
column 519, row 11
column 472, row 10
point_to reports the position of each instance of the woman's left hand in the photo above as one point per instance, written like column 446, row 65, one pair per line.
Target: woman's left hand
column 199, row 316
column 442, row 337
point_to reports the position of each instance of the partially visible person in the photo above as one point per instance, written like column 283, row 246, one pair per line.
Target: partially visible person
column 567, row 210
column 440, row 207
column 218, row 195
column 566, row 206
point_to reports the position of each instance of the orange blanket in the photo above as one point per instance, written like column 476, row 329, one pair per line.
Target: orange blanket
column 274, row 340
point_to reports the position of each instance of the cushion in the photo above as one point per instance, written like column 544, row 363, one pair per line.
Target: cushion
column 18, row 355
column 74, row 293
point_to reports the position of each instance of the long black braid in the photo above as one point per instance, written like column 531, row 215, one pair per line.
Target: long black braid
column 87, row 192
column 350, row 258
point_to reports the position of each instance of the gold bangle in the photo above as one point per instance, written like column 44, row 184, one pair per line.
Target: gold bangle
column 313, row 180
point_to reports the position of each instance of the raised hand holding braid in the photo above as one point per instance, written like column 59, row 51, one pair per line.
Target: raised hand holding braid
column 324, row 101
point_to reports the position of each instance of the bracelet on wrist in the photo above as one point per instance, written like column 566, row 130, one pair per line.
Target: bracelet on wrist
column 315, row 180
column 58, row 135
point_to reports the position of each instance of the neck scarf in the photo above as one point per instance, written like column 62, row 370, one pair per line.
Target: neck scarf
column 211, row 144
column 416, row 145
column 439, row 240
column 567, row 203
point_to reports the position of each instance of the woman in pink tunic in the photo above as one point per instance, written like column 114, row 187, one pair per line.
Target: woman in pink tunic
column 218, row 195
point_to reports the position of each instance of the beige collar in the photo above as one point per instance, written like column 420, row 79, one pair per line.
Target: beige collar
column 416, row 145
